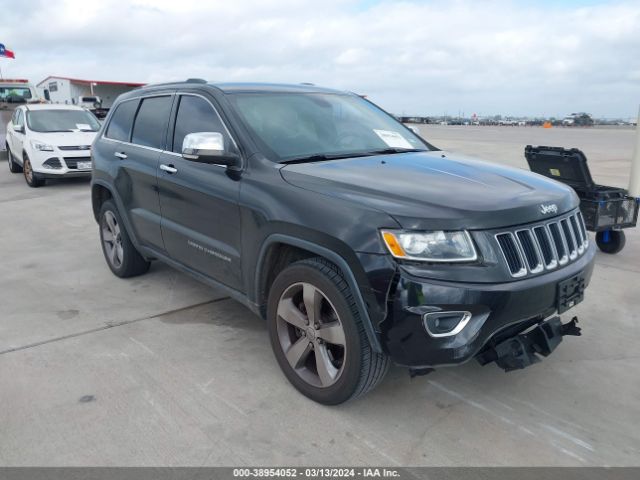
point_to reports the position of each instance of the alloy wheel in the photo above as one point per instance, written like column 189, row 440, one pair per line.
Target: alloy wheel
column 28, row 171
column 112, row 239
column 311, row 334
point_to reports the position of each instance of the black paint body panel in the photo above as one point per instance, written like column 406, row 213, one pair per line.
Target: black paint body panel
column 217, row 224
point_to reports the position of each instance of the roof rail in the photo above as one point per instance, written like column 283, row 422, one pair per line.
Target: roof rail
column 196, row 80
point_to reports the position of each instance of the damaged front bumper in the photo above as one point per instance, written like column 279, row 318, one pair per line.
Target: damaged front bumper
column 525, row 349
column 500, row 317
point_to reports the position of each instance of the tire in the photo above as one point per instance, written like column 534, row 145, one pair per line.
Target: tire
column 613, row 244
column 121, row 256
column 14, row 167
column 31, row 177
column 351, row 367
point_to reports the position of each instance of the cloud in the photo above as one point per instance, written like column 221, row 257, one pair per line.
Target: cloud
column 415, row 57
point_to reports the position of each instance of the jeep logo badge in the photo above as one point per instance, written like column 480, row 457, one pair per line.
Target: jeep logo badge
column 549, row 208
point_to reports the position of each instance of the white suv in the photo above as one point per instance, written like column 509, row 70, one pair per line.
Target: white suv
column 50, row 141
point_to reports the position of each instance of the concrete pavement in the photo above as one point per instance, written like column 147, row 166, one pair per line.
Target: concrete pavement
column 161, row 370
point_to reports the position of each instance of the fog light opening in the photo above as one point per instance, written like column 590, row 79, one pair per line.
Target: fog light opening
column 52, row 163
column 445, row 324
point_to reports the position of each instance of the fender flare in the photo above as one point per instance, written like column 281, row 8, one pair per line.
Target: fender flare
column 332, row 256
column 116, row 198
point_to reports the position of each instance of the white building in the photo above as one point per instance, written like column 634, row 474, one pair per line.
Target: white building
column 67, row 90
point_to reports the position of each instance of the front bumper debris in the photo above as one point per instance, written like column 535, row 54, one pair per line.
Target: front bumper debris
column 525, row 349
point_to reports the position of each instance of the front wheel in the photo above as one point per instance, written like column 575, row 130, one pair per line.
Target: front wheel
column 317, row 334
column 119, row 252
column 611, row 241
column 31, row 177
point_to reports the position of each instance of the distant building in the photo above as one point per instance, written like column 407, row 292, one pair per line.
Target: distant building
column 68, row 90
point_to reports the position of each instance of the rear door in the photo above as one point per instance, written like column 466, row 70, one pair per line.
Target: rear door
column 200, row 212
column 137, row 134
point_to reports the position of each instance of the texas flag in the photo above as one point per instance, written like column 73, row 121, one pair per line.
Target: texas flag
column 6, row 53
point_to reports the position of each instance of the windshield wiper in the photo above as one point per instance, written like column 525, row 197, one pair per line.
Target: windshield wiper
column 391, row 150
column 322, row 157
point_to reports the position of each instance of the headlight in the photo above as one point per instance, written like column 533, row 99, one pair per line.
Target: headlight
column 436, row 246
column 43, row 147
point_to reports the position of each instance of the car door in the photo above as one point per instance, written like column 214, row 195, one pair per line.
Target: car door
column 199, row 202
column 16, row 139
column 136, row 135
column 9, row 131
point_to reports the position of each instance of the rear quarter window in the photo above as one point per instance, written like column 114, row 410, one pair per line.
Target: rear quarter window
column 120, row 125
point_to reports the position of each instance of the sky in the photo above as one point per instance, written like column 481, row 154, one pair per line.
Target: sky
column 432, row 57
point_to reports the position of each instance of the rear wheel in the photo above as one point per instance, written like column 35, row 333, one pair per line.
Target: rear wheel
column 119, row 252
column 31, row 177
column 14, row 167
column 611, row 241
column 317, row 334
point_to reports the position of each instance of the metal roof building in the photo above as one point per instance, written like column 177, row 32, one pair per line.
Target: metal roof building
column 67, row 90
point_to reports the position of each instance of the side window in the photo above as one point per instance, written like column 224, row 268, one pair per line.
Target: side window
column 151, row 122
column 120, row 126
column 195, row 114
column 19, row 118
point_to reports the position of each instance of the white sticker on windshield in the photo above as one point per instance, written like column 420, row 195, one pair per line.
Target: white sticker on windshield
column 83, row 126
column 393, row 139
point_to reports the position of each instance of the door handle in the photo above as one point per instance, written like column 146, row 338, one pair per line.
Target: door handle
column 120, row 155
column 168, row 168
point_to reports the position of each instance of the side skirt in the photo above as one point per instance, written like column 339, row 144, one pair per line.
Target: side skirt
column 233, row 293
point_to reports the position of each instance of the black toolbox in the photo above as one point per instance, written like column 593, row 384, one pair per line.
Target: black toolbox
column 606, row 210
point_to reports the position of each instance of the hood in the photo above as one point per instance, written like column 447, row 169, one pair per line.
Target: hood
column 61, row 139
column 437, row 190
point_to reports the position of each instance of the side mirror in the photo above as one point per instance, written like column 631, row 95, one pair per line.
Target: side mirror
column 18, row 128
column 208, row 147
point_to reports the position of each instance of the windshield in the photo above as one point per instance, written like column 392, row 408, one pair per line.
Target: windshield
column 14, row 94
column 293, row 126
column 62, row 121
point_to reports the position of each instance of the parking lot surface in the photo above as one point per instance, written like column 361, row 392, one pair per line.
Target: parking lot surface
column 161, row 370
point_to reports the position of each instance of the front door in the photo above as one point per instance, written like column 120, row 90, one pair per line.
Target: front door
column 199, row 202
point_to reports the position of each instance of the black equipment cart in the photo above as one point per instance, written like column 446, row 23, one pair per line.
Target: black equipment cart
column 606, row 210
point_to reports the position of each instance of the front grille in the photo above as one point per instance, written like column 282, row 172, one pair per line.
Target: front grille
column 512, row 254
column 530, row 249
column 558, row 242
column 543, row 237
column 75, row 147
column 543, row 246
column 72, row 162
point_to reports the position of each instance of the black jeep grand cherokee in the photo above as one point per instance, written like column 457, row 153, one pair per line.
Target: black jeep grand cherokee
column 358, row 241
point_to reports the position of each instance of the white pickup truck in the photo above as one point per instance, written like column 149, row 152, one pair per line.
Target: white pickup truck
column 14, row 92
column 92, row 103
column 89, row 102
